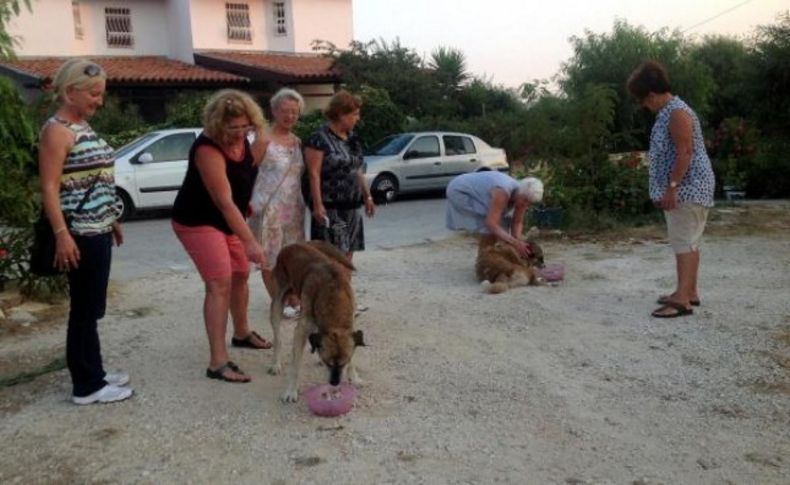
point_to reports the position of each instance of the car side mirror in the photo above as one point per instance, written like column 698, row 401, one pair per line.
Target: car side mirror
column 411, row 154
column 145, row 158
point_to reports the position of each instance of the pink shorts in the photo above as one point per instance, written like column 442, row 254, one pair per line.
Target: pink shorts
column 216, row 254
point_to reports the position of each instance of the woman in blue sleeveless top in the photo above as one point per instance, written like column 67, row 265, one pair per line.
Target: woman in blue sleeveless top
column 681, row 180
column 492, row 203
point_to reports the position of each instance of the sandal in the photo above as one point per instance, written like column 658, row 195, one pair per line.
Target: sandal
column 680, row 310
column 249, row 342
column 221, row 373
column 662, row 300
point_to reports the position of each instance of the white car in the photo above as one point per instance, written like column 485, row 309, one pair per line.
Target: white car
column 150, row 170
column 420, row 161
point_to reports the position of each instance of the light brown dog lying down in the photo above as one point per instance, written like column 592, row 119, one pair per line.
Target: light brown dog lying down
column 321, row 275
column 499, row 267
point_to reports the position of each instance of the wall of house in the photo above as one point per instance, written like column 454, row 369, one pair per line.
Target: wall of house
column 49, row 29
column 180, row 30
column 330, row 20
column 209, row 26
column 316, row 96
column 44, row 32
column 275, row 42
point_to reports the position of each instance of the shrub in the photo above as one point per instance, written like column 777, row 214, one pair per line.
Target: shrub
column 19, row 200
column 116, row 117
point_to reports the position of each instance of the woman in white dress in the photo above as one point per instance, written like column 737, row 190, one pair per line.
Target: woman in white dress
column 278, row 209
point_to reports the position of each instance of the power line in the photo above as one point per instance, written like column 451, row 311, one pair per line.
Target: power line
column 715, row 16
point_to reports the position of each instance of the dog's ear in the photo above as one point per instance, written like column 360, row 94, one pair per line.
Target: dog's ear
column 359, row 341
column 315, row 342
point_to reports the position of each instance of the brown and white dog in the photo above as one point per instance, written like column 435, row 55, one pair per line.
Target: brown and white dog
column 321, row 276
column 499, row 267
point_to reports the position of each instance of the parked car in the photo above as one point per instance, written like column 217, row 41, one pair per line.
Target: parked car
column 414, row 162
column 150, row 170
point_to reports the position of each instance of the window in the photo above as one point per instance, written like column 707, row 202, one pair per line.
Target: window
column 279, row 19
column 458, row 145
column 424, row 147
column 171, row 148
column 118, row 23
column 75, row 11
column 239, row 26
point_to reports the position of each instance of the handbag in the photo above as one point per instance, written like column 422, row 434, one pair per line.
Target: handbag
column 43, row 247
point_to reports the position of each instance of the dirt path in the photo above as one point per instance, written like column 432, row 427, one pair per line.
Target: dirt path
column 573, row 384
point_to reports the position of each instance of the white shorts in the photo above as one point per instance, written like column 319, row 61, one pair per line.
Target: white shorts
column 685, row 226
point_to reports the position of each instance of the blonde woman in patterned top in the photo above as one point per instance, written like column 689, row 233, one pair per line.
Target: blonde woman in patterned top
column 278, row 209
column 75, row 164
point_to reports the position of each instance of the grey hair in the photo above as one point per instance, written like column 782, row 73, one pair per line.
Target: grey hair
column 532, row 188
column 286, row 93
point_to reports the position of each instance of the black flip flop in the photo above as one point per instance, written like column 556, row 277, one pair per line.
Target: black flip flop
column 681, row 310
column 219, row 373
column 247, row 342
column 662, row 300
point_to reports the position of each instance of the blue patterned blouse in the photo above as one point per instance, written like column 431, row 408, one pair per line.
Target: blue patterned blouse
column 698, row 184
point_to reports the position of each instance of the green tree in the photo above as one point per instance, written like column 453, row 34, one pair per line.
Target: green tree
column 8, row 10
column 611, row 57
column 389, row 66
column 449, row 68
column 769, row 76
column 726, row 59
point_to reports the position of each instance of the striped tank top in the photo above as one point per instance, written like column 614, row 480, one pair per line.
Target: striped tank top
column 89, row 162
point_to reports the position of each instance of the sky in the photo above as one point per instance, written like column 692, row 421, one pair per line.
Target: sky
column 513, row 41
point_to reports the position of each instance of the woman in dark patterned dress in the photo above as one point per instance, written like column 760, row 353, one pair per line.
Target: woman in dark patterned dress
column 334, row 185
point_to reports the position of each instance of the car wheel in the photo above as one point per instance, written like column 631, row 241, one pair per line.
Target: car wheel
column 385, row 187
column 127, row 206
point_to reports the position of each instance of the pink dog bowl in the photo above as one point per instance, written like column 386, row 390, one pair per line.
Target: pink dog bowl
column 553, row 272
column 328, row 400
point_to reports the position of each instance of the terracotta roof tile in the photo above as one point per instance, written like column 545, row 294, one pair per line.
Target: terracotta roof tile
column 130, row 69
column 295, row 65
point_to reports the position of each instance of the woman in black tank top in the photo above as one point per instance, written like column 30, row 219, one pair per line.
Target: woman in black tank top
column 209, row 220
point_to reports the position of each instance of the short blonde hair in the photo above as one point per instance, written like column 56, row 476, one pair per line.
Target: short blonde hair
column 342, row 103
column 284, row 94
column 532, row 188
column 76, row 73
column 226, row 105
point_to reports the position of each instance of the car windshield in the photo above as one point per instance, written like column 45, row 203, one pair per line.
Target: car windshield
column 391, row 145
column 133, row 145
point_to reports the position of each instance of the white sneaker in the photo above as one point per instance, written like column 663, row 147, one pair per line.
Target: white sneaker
column 291, row 312
column 116, row 378
column 108, row 393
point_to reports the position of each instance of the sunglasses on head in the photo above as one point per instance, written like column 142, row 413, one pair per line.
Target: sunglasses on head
column 92, row 70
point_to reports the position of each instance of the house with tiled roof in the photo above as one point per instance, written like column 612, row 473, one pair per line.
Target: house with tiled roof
column 155, row 49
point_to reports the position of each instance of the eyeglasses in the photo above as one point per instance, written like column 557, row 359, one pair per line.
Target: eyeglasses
column 92, row 70
column 240, row 129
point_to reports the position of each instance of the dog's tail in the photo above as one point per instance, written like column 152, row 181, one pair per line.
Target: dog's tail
column 493, row 288
column 332, row 252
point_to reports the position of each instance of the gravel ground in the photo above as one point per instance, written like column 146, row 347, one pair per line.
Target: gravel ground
column 572, row 384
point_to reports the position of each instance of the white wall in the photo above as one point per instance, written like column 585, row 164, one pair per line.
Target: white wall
column 49, row 29
column 316, row 96
column 175, row 27
column 209, row 26
column 281, row 43
column 180, row 30
column 330, row 20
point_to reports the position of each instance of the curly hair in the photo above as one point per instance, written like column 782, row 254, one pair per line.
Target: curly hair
column 226, row 105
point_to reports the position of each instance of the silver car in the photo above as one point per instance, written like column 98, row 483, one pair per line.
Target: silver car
column 150, row 170
column 421, row 161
